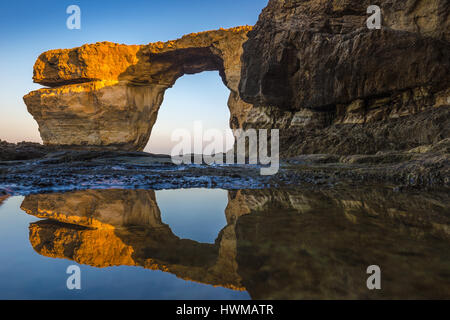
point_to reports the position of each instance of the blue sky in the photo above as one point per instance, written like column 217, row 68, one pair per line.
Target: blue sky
column 30, row 28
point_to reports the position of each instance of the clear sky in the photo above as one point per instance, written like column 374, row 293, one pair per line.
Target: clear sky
column 29, row 28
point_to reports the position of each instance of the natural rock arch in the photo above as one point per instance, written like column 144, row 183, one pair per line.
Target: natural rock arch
column 108, row 95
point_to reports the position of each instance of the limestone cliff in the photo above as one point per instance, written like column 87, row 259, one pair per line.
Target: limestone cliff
column 108, row 95
column 334, row 86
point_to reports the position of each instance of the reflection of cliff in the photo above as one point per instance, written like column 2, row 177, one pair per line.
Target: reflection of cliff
column 99, row 209
column 3, row 198
column 317, row 244
column 277, row 244
column 103, row 228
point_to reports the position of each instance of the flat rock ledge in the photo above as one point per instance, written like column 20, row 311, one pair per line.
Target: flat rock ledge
column 65, row 170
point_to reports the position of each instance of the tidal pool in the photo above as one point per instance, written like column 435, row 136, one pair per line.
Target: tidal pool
column 219, row 244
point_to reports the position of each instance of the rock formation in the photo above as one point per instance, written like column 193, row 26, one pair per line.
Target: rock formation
column 310, row 68
column 334, row 86
column 22, row 151
column 108, row 95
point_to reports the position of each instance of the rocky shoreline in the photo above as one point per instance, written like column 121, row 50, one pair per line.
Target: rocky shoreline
column 45, row 169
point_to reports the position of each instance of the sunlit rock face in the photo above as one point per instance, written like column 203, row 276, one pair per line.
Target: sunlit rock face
column 278, row 244
column 334, row 86
column 108, row 95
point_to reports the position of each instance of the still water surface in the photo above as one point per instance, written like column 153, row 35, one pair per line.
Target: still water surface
column 218, row 244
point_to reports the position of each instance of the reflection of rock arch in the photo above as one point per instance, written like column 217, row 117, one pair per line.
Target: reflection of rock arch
column 278, row 244
column 103, row 228
column 108, row 95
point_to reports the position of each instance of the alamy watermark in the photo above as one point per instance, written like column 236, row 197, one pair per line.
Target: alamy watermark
column 74, row 280
column 374, row 281
column 374, row 21
column 251, row 147
column 74, row 20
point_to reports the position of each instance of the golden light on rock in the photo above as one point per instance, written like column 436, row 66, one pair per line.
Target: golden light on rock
column 107, row 95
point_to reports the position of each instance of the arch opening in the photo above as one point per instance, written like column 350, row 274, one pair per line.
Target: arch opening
column 197, row 98
column 198, row 214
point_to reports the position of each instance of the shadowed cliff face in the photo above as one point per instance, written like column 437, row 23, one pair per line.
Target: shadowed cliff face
column 278, row 244
column 334, row 86
column 315, row 54
column 107, row 95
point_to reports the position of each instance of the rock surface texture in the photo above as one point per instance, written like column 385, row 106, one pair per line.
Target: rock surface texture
column 108, row 95
column 331, row 85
